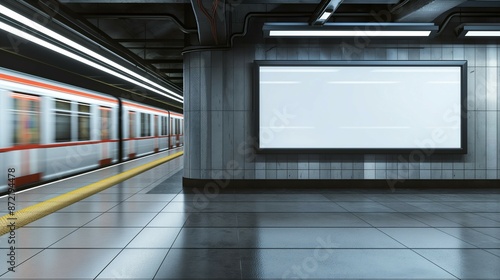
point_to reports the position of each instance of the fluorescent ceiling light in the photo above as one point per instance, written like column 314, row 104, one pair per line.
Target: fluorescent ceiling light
column 483, row 34
column 363, row 82
column 479, row 30
column 35, row 26
column 323, row 12
column 346, row 33
column 325, row 15
column 343, row 29
column 69, row 54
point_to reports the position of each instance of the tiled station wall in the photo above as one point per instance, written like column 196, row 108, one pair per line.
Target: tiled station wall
column 218, row 110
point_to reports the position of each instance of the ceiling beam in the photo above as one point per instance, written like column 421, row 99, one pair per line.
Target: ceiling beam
column 160, row 17
column 423, row 10
column 171, row 42
column 155, row 48
column 236, row 2
column 156, row 61
column 124, row 1
column 164, row 70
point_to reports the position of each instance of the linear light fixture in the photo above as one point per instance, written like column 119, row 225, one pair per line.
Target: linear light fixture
column 325, row 9
column 478, row 30
column 341, row 29
column 106, row 66
column 326, row 15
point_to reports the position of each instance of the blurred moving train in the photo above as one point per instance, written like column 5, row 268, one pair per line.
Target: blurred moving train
column 50, row 130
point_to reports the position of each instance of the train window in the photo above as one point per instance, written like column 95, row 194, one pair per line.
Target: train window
column 62, row 104
column 131, row 124
column 145, row 125
column 164, row 125
column 26, row 115
column 83, row 121
column 171, row 131
column 105, row 123
column 63, row 120
column 155, row 128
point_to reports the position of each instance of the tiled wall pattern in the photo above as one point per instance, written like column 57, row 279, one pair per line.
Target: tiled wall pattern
column 218, row 112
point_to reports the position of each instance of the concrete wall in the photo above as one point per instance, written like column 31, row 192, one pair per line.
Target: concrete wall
column 218, row 112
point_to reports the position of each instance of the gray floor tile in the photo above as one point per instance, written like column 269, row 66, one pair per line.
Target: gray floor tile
column 493, row 232
column 425, row 238
column 338, row 264
column 432, row 220
column 169, row 220
column 389, row 220
column 201, row 264
column 253, row 197
column 402, row 207
column 491, row 216
column 64, row 220
column 186, row 207
column 474, row 236
column 469, row 219
column 113, row 197
column 198, row 238
column 315, row 237
column 65, row 264
column 475, row 206
column 444, row 197
column 151, row 197
column 494, row 251
column 131, row 189
column 347, row 197
column 382, row 197
column 134, row 264
column 98, row 238
column 149, row 206
column 36, row 237
column 155, row 238
column 410, row 197
column 300, row 220
column 96, row 207
column 253, row 207
column 435, row 207
column 122, row 220
column 263, row 233
column 211, row 220
column 364, row 207
column 21, row 256
column 465, row 263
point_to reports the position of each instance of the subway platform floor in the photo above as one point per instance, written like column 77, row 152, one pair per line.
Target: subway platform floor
column 150, row 228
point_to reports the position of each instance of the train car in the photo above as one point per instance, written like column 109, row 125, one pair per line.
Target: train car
column 176, row 130
column 49, row 130
column 144, row 129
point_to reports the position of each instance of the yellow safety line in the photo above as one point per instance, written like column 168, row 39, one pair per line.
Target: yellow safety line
column 42, row 209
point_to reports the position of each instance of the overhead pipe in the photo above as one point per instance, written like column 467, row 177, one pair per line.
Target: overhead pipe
column 173, row 18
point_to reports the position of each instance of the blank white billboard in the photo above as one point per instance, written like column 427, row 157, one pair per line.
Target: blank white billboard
column 369, row 106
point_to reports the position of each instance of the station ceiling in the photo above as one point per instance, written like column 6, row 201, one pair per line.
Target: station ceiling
column 155, row 33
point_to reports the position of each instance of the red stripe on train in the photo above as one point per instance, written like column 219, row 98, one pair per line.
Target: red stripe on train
column 56, row 88
column 67, row 144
